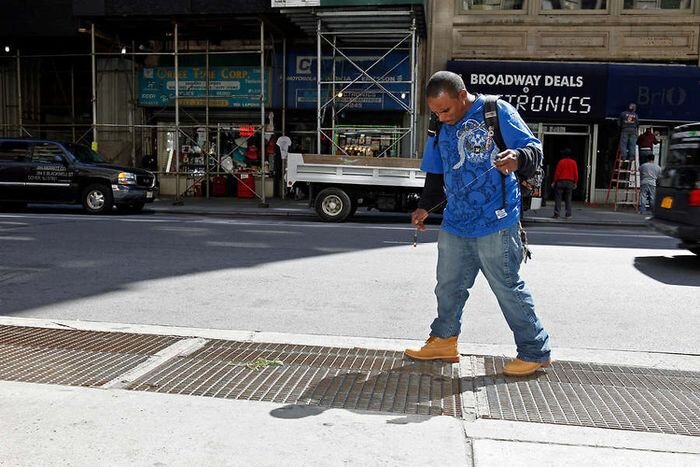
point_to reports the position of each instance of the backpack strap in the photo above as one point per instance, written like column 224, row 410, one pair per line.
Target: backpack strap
column 491, row 120
column 434, row 127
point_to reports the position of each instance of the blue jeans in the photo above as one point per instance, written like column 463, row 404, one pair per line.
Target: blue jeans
column 628, row 144
column 647, row 195
column 498, row 256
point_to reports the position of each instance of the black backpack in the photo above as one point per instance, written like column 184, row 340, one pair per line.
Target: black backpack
column 530, row 183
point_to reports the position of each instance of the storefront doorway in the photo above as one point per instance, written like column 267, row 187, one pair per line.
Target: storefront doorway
column 575, row 137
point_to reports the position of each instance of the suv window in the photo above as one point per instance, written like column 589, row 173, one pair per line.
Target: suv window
column 684, row 149
column 46, row 152
column 84, row 154
column 14, row 150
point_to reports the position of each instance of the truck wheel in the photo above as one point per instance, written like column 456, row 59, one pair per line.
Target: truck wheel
column 333, row 205
column 353, row 208
column 97, row 198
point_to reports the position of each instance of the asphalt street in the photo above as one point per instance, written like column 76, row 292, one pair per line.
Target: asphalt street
column 594, row 287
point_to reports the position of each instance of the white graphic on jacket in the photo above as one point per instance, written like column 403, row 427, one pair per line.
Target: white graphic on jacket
column 470, row 152
column 473, row 142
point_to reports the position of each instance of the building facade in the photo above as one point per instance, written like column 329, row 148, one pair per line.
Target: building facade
column 572, row 66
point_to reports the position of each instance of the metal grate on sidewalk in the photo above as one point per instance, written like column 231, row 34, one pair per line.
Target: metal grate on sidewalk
column 72, row 357
column 601, row 396
column 349, row 378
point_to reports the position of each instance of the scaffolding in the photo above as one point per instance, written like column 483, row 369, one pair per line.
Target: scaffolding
column 124, row 57
column 339, row 33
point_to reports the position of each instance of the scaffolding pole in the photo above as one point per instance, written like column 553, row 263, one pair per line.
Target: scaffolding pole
column 94, row 87
column 20, row 126
column 414, row 90
column 177, row 118
column 263, row 202
column 328, row 90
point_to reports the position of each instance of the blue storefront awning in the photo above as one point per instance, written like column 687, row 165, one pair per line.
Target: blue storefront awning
column 661, row 92
column 582, row 92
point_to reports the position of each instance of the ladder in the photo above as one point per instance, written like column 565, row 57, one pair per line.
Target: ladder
column 623, row 182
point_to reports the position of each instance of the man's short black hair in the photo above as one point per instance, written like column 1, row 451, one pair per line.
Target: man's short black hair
column 650, row 158
column 444, row 81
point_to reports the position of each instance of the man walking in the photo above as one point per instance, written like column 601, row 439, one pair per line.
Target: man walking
column 649, row 172
column 564, row 182
column 480, row 226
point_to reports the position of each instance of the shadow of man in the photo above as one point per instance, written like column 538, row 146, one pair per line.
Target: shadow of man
column 416, row 388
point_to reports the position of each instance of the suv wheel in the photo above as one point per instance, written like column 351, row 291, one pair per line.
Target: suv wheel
column 97, row 198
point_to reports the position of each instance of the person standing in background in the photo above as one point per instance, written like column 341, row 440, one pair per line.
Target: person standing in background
column 628, row 122
column 649, row 172
column 646, row 142
column 564, row 182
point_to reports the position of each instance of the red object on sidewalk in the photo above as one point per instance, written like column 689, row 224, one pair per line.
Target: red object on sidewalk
column 218, row 186
column 245, row 188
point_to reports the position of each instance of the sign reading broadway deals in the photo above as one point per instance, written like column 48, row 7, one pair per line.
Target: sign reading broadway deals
column 544, row 90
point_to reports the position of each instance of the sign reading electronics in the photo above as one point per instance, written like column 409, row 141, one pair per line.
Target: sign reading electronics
column 539, row 90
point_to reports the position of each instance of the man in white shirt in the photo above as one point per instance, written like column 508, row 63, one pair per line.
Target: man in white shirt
column 648, row 173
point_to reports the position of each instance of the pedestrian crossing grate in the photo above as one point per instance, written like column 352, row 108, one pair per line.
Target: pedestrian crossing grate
column 72, row 357
column 593, row 395
column 332, row 377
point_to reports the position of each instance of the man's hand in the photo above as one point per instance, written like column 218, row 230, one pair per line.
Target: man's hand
column 507, row 162
column 418, row 218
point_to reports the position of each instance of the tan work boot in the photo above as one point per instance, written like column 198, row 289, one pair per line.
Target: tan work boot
column 517, row 367
column 436, row 348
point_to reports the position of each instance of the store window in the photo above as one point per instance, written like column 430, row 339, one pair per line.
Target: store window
column 476, row 5
column 658, row 4
column 574, row 5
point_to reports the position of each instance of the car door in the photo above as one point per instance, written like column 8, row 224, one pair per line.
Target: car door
column 49, row 174
column 14, row 162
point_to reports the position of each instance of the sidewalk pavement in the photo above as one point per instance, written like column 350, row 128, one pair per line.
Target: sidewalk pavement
column 583, row 214
column 42, row 424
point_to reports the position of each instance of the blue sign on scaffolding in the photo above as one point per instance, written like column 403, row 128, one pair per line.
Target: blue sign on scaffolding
column 229, row 87
column 302, row 90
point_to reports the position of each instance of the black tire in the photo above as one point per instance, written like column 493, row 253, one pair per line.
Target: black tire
column 333, row 205
column 97, row 198
column 353, row 209
column 133, row 207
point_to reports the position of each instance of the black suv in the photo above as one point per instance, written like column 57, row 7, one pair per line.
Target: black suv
column 42, row 171
column 677, row 204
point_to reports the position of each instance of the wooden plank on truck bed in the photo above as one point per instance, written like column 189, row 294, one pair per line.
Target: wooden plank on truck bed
column 362, row 161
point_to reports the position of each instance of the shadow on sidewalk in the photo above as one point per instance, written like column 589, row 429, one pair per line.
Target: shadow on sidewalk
column 677, row 270
column 415, row 390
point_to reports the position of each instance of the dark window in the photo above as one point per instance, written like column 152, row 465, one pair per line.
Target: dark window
column 492, row 4
column 46, row 152
column 13, row 151
column 658, row 4
column 684, row 154
column 84, row 153
column 574, row 5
